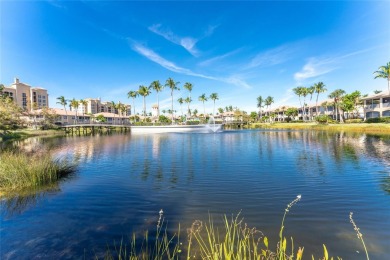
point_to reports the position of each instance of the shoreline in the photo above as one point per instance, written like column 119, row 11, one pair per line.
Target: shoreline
column 368, row 128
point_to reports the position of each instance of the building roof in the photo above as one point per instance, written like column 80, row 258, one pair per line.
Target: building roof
column 380, row 95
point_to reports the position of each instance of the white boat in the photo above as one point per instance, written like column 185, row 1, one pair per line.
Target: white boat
column 171, row 128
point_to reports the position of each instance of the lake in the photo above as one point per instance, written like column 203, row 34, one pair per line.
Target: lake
column 122, row 182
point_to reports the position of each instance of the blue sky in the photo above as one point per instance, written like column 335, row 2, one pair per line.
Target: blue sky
column 238, row 49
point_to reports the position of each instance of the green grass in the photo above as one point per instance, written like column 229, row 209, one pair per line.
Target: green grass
column 374, row 128
column 21, row 170
column 235, row 240
column 25, row 133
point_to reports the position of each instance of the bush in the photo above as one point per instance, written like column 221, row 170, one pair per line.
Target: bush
column 192, row 122
column 378, row 120
column 354, row 121
column 322, row 119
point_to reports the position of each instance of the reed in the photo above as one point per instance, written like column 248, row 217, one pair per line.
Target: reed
column 21, row 170
column 206, row 241
column 160, row 246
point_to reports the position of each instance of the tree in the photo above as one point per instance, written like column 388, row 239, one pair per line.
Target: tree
column 144, row 91
column 291, row 112
column 260, row 102
column 310, row 91
column 384, row 72
column 181, row 101
column 377, row 91
column 350, row 102
column 63, row 102
column 84, row 103
column 195, row 112
column 133, row 95
column 188, row 86
column 220, row 110
column 156, row 86
column 299, row 91
column 188, row 100
column 319, row 88
column 268, row 102
column 101, row 118
column 214, row 96
column 203, row 99
column 173, row 86
column 75, row 105
column 10, row 114
column 336, row 96
column 305, row 92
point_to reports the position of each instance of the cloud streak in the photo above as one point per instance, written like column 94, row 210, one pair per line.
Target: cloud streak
column 187, row 43
column 319, row 66
column 218, row 58
column 271, row 57
column 153, row 56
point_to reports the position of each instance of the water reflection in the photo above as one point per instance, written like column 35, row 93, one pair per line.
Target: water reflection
column 124, row 180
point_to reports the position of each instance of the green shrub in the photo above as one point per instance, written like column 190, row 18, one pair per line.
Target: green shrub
column 322, row 119
column 192, row 122
column 378, row 120
column 354, row 121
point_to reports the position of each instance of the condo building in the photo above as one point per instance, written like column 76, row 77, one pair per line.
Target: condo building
column 377, row 105
column 27, row 97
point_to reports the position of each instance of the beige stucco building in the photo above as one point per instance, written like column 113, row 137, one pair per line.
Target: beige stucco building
column 95, row 105
column 27, row 97
column 377, row 105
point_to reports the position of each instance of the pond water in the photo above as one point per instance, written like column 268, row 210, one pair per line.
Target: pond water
column 122, row 182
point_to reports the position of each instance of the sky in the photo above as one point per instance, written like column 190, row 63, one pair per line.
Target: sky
column 238, row 49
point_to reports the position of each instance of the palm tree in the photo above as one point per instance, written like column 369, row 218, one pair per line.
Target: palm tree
column 173, row 86
column 203, row 99
column 74, row 104
column 336, row 95
column 298, row 92
column 156, row 85
column 384, row 72
column 181, row 101
column 268, row 102
column 319, row 88
column 144, row 91
column 188, row 86
column 310, row 90
column 133, row 95
column 188, row 100
column 84, row 103
column 63, row 102
column 214, row 96
column 305, row 92
column 260, row 105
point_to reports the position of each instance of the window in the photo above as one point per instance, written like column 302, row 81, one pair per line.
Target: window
column 373, row 114
column 24, row 100
column 64, row 117
column 386, row 113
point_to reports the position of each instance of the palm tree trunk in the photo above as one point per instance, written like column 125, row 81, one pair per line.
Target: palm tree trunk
column 172, row 106
column 158, row 106
column 144, row 107
column 134, row 105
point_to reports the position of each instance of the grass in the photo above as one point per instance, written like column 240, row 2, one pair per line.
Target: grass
column 375, row 128
column 25, row 133
column 21, row 170
column 205, row 241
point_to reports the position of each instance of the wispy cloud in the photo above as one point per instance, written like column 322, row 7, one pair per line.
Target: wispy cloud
column 317, row 66
column 187, row 43
column 153, row 56
column 272, row 57
column 314, row 68
column 218, row 58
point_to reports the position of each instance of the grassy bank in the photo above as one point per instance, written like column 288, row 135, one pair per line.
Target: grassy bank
column 375, row 128
column 25, row 133
column 19, row 170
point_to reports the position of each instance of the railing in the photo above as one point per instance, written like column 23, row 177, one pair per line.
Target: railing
column 372, row 106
